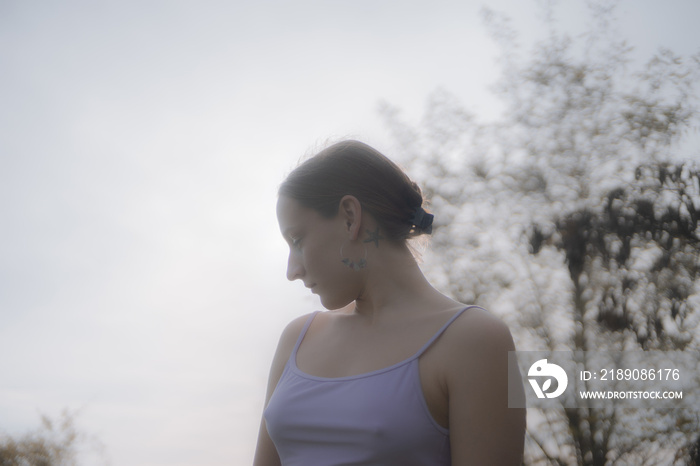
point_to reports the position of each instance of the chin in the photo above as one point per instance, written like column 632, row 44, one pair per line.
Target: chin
column 334, row 304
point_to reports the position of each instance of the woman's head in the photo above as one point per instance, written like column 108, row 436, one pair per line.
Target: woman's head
column 356, row 169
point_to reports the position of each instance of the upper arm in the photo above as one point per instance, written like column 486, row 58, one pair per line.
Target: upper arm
column 483, row 430
column 265, row 452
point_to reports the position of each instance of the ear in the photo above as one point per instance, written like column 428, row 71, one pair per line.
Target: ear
column 350, row 212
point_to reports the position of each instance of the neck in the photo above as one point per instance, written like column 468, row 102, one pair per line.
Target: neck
column 394, row 284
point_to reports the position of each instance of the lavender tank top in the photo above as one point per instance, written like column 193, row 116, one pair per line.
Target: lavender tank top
column 379, row 418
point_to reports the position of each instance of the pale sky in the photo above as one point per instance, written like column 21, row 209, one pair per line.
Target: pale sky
column 142, row 275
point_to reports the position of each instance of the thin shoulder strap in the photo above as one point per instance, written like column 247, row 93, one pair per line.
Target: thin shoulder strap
column 444, row 327
column 303, row 333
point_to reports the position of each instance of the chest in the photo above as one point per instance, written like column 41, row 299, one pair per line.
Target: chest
column 337, row 353
column 371, row 419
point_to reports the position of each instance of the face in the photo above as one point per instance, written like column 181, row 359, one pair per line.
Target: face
column 314, row 253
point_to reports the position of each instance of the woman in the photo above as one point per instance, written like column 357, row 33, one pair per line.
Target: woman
column 394, row 373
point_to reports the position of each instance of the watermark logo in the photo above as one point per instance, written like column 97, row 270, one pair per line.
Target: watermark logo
column 601, row 379
column 542, row 368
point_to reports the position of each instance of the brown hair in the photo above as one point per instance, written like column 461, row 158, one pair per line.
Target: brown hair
column 354, row 168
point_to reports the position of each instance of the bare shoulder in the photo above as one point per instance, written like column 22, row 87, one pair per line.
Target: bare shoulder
column 478, row 333
column 291, row 333
column 287, row 340
column 483, row 429
column 265, row 452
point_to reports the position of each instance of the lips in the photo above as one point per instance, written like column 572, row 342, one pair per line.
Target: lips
column 311, row 287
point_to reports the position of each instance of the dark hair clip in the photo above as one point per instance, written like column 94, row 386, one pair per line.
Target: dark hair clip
column 422, row 220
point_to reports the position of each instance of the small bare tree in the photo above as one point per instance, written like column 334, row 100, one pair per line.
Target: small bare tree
column 54, row 443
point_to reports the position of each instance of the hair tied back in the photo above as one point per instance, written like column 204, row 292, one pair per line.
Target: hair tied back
column 422, row 221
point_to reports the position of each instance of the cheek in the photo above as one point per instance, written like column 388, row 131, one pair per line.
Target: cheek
column 326, row 268
column 329, row 268
column 323, row 257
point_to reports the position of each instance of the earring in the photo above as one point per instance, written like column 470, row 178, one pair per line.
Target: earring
column 360, row 264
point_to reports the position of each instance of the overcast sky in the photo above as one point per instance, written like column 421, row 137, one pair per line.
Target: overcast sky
column 142, row 275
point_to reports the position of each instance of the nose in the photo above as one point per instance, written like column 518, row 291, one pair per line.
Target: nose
column 295, row 269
